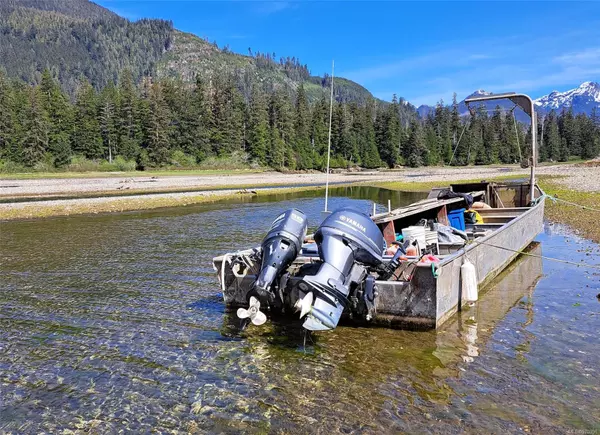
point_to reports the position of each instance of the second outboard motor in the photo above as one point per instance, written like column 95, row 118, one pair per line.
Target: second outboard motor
column 347, row 240
column 280, row 247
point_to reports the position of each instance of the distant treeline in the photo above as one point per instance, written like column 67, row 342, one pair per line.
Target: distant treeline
column 170, row 123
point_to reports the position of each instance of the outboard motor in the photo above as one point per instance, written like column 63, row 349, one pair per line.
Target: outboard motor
column 348, row 240
column 280, row 247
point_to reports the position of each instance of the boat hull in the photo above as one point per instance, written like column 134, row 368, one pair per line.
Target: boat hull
column 425, row 301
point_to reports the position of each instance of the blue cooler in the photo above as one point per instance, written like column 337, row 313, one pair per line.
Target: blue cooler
column 457, row 219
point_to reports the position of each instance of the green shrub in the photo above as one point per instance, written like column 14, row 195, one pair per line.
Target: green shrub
column 8, row 167
column 81, row 164
column 124, row 165
column 143, row 160
column 179, row 159
column 119, row 164
column 46, row 164
column 237, row 160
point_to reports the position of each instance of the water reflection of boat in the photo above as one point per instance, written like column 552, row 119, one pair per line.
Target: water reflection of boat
column 474, row 325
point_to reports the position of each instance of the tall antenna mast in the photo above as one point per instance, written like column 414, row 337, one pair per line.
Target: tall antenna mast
column 329, row 139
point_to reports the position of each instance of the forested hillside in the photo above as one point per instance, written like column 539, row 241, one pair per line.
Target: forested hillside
column 77, row 38
column 168, row 123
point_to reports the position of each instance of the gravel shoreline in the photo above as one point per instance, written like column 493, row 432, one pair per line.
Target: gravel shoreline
column 575, row 177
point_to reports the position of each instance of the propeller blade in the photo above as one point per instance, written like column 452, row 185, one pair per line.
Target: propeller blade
column 254, row 302
column 243, row 313
column 259, row 318
column 306, row 304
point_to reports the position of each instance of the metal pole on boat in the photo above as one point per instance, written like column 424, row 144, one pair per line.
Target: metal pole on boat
column 329, row 139
column 526, row 103
column 533, row 151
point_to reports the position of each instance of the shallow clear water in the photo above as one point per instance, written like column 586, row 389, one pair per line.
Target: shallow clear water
column 114, row 322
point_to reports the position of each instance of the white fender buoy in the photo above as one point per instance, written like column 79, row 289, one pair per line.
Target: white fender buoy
column 469, row 280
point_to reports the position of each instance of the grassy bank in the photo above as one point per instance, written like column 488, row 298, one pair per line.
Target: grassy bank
column 105, row 203
column 585, row 221
column 420, row 186
column 123, row 204
column 151, row 173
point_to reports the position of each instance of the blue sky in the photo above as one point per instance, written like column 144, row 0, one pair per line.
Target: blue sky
column 421, row 51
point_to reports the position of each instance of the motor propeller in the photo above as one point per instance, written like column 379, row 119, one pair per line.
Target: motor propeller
column 253, row 312
column 304, row 305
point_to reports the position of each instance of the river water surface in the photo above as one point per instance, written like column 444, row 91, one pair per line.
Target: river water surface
column 115, row 323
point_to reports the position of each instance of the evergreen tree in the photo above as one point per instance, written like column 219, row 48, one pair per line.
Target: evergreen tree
column 389, row 137
column 157, row 126
column 200, row 108
column 86, row 138
column 227, row 130
column 320, row 127
column 58, row 110
column 259, row 136
column 130, row 120
column 593, row 149
column 456, row 128
column 6, row 118
column 108, row 120
column 277, row 153
column 35, row 141
column 416, row 150
column 586, row 130
column 570, row 132
column 302, row 147
column 552, row 141
column 340, row 136
column 368, row 146
column 282, row 131
column 564, row 150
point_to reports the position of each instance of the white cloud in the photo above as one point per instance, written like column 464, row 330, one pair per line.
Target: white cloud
column 588, row 56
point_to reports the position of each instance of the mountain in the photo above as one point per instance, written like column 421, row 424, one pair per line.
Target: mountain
column 581, row 99
column 190, row 55
column 78, row 38
column 75, row 39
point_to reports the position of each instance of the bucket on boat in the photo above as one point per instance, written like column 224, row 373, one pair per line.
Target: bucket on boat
column 431, row 238
column 457, row 219
column 415, row 233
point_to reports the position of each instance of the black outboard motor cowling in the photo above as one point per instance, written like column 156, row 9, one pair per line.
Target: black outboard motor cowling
column 280, row 247
column 348, row 240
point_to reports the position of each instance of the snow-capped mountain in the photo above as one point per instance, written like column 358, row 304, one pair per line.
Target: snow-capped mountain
column 581, row 99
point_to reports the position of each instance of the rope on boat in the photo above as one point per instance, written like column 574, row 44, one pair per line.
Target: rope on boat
column 558, row 260
column 585, row 207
